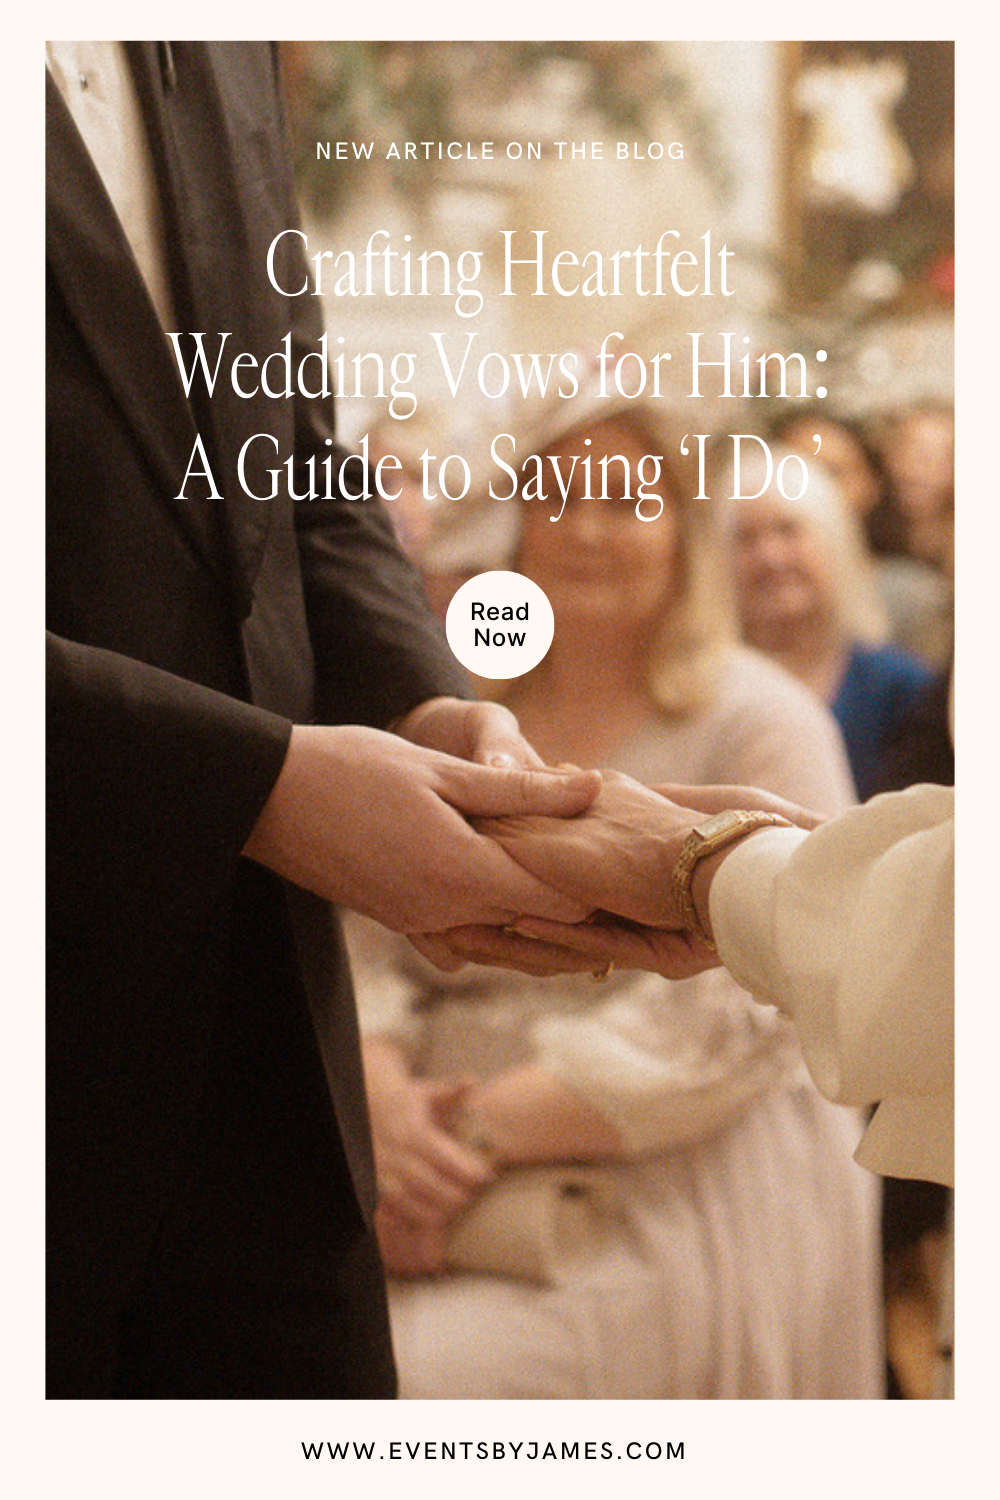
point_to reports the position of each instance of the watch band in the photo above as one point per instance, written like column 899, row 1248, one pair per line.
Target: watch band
column 707, row 838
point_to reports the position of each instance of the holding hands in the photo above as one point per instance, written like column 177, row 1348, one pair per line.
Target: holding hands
column 452, row 830
column 379, row 822
column 519, row 867
column 617, row 858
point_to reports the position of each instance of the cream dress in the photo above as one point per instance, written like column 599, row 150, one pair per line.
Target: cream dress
column 744, row 1262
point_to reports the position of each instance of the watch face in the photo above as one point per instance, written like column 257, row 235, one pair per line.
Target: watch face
column 719, row 823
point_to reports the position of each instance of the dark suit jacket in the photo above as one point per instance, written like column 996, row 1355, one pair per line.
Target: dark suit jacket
column 210, row 1181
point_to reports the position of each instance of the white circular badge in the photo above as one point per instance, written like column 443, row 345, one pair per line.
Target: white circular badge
column 500, row 625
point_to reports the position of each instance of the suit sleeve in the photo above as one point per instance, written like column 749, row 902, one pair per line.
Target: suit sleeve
column 154, row 784
column 379, row 650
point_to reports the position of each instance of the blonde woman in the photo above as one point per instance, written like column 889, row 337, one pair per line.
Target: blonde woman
column 730, row 1248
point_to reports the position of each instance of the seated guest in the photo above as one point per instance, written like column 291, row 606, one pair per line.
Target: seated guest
column 635, row 1193
column 806, row 597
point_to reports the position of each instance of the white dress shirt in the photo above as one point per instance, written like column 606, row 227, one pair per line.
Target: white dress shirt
column 96, row 82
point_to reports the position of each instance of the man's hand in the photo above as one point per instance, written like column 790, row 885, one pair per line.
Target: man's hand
column 379, row 825
column 485, row 733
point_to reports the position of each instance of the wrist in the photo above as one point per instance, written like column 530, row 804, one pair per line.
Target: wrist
column 702, row 853
column 265, row 839
column 701, row 884
column 414, row 725
column 295, row 832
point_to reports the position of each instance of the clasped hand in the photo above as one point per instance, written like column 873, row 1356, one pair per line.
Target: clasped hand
column 382, row 822
column 452, row 830
column 616, row 858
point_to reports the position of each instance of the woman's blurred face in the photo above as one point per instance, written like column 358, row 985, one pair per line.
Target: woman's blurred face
column 781, row 570
column 599, row 562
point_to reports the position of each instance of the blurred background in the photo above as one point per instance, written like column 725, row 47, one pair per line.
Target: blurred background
column 828, row 167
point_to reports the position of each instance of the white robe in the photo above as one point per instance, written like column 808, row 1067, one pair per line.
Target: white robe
column 850, row 931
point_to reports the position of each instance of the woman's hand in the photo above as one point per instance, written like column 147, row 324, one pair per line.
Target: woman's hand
column 424, row 1175
column 541, row 948
column 618, row 856
column 526, row 1115
column 408, row 1250
column 715, row 799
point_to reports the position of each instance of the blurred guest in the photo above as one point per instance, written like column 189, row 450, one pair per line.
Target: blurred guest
column 922, row 747
column 806, row 596
column 669, row 1206
column 918, row 571
column 846, row 454
column 916, row 594
column 849, row 930
column 919, row 451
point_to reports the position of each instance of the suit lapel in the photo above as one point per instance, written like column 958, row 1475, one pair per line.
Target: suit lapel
column 92, row 261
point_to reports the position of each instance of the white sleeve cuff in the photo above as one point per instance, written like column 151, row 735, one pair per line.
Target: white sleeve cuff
column 741, row 907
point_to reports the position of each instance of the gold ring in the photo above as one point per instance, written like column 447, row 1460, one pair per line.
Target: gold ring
column 599, row 974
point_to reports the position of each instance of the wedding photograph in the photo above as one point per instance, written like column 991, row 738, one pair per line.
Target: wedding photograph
column 500, row 592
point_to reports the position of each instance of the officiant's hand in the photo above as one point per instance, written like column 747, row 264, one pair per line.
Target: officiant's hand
column 375, row 823
column 618, row 856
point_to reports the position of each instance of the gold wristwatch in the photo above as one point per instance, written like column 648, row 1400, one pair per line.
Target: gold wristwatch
column 707, row 838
